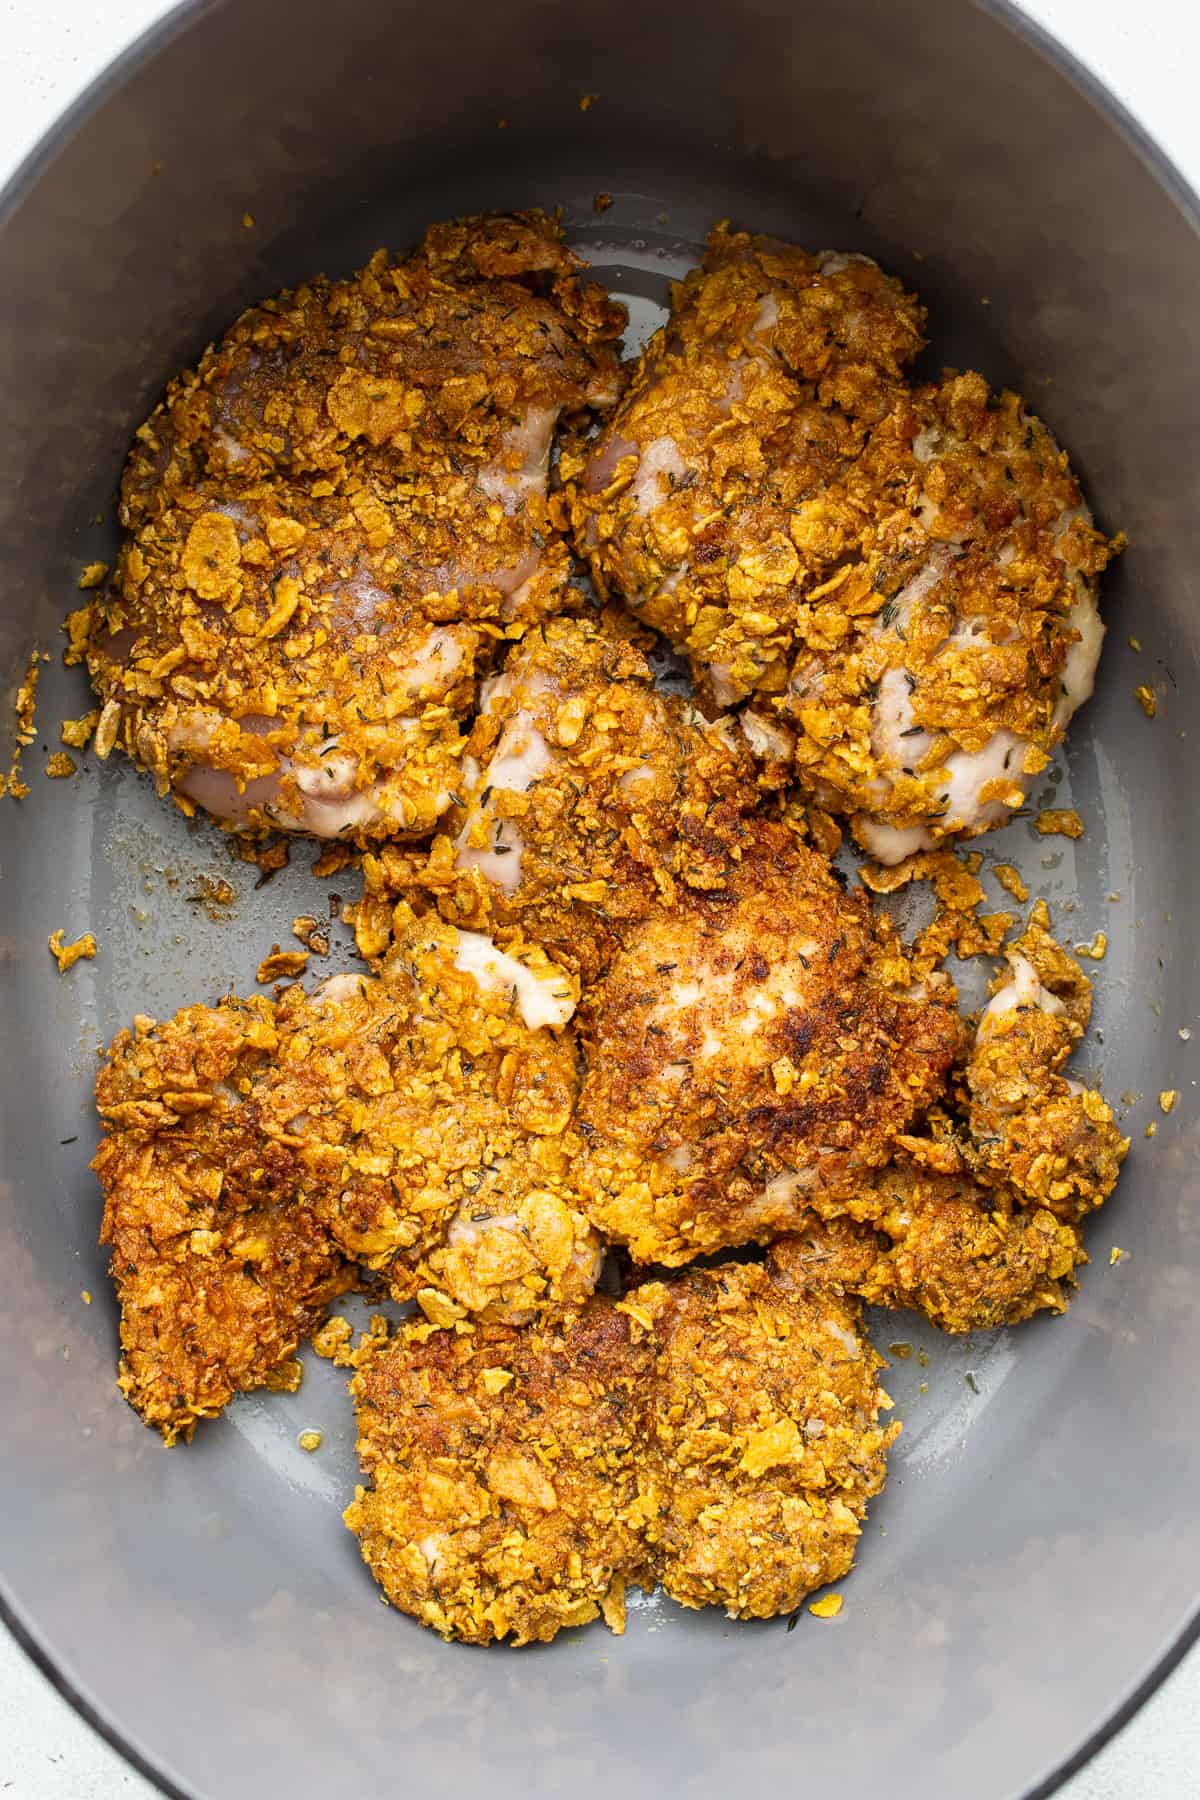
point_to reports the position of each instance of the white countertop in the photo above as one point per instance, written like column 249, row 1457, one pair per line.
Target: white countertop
column 1148, row 55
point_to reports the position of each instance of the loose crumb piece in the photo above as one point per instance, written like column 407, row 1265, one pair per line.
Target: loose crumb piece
column 310, row 1441
column 923, row 1358
column 1185, row 1034
column 828, row 1607
column 248, row 221
column 313, row 934
column 1010, row 880
column 85, row 1297
column 286, row 1377
column 1147, row 699
column 281, row 965
column 1135, row 643
column 60, row 766
column 67, row 955
column 1151, row 1129
column 1115, row 1255
column 602, row 202
column 1097, row 949
column 903, row 1351
column 1059, row 821
column 587, row 101
column 333, row 1341
column 77, row 626
column 26, row 706
column 1167, row 1099
column 77, row 733
column 336, row 858
column 93, row 575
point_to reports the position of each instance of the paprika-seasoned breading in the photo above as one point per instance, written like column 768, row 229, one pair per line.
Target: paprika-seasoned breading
column 413, row 1124
column 903, row 581
column 718, row 1434
column 334, row 519
column 749, row 1046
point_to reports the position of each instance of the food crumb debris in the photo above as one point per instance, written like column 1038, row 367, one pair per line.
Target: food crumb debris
column 828, row 1607
column 602, row 202
column 85, row 1296
column 1167, row 1099
column 923, row 1388
column 1185, row 1034
column 1151, row 1129
column 310, row 1441
column 60, row 766
column 971, row 1382
column 67, row 955
column 286, row 1377
column 587, row 101
column 1135, row 643
column 26, row 706
column 333, row 1341
column 215, row 895
column 923, row 1358
column 1059, row 821
column 1010, row 880
column 93, row 575
column 313, row 934
column 77, row 733
column 1115, row 1255
column 903, row 1351
column 281, row 965
column 1097, row 949
column 247, row 221
column 1147, row 699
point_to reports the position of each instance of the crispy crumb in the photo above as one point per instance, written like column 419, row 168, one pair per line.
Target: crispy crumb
column 67, row 955
column 1151, row 1129
column 903, row 1351
column 77, row 733
column 286, row 1377
column 313, row 934
column 1097, row 949
column 60, row 766
column 26, row 705
column 281, row 965
column 1167, row 1099
column 602, row 202
column 310, row 1440
column 247, row 221
column 1147, row 699
column 828, row 1607
column 93, row 575
column 1009, row 878
column 1059, row 821
column 1115, row 1255
column 333, row 1341
column 85, row 1297
column 1135, row 643
column 587, row 101
column 334, row 859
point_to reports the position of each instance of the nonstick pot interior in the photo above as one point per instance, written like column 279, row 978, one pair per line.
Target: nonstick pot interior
column 1037, row 1554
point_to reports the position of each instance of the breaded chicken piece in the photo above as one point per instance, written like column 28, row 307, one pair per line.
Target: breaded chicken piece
column 719, row 1434
column 333, row 519
column 587, row 795
column 504, row 1472
column 414, row 1123
column 904, row 582
column 766, row 1442
column 1050, row 1138
column 755, row 394
column 967, row 1257
column 747, row 1047
column 220, row 1271
column 978, row 1225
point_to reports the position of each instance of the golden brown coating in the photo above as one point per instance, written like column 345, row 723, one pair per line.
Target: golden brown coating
column 747, row 1048
column 767, row 1444
column 504, row 1473
column 587, row 796
column 1051, row 1139
column 904, row 581
column 415, row 1123
column 966, row 1257
column 332, row 521
column 718, row 1434
column 221, row 1270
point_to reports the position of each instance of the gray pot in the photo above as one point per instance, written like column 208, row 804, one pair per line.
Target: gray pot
column 1033, row 1568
